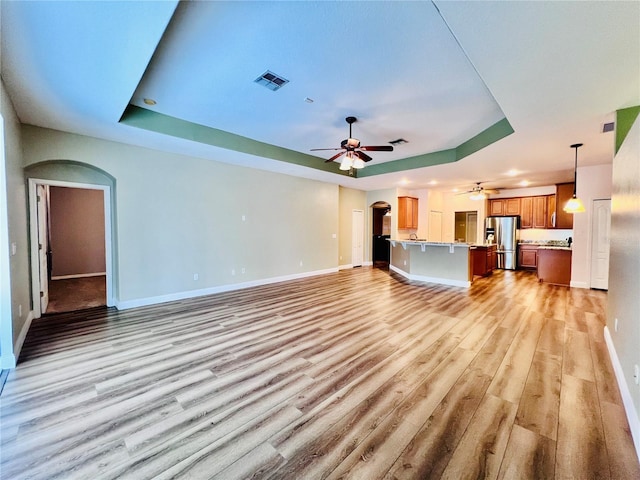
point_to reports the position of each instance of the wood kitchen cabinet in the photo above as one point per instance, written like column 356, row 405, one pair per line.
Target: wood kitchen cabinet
column 528, row 257
column 497, row 207
column 551, row 211
column 554, row 266
column 484, row 260
column 564, row 192
column 407, row 213
column 539, row 219
column 512, row 206
column 526, row 212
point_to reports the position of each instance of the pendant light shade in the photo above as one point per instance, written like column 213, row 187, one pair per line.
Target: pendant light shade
column 574, row 205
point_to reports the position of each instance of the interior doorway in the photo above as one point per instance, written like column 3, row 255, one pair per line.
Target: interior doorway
column 70, row 246
column 381, row 222
column 466, row 227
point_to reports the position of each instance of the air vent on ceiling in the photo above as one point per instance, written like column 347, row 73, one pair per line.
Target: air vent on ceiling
column 608, row 127
column 271, row 80
column 397, row 142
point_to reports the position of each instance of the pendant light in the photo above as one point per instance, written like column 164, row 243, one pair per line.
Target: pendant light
column 574, row 205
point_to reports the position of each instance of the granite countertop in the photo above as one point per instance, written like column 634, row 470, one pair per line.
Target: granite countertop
column 546, row 243
column 552, row 247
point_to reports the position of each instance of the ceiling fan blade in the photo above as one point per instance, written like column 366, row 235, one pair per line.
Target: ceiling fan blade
column 334, row 157
column 317, row 149
column 379, row 148
column 491, row 191
column 362, row 155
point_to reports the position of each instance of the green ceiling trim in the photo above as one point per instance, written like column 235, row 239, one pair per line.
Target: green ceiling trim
column 488, row 136
column 495, row 132
column 176, row 127
column 157, row 122
column 624, row 122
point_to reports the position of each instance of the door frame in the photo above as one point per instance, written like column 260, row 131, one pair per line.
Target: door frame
column 360, row 228
column 33, row 230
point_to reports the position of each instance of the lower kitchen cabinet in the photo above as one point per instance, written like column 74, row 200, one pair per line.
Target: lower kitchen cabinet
column 554, row 266
column 483, row 259
column 528, row 257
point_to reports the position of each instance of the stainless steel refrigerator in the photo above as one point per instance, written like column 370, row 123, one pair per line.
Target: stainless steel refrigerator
column 504, row 232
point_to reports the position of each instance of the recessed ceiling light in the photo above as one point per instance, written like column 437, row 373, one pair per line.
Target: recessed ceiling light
column 455, row 190
column 433, row 182
column 404, row 181
column 524, row 183
column 513, row 172
column 149, row 101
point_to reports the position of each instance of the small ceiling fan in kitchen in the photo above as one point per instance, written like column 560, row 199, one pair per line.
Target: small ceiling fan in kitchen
column 353, row 152
column 479, row 192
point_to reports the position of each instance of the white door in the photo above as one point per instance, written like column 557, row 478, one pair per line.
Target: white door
column 435, row 226
column 600, row 234
column 357, row 238
column 42, row 199
column 472, row 227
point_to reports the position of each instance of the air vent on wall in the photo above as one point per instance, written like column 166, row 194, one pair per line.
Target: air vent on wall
column 271, row 80
column 608, row 127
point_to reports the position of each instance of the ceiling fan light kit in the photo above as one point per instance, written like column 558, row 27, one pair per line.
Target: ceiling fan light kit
column 353, row 156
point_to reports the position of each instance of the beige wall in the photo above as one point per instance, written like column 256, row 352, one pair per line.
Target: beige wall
column 14, row 281
column 624, row 273
column 203, row 218
column 77, row 231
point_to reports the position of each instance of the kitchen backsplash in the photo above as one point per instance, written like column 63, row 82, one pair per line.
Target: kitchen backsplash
column 539, row 234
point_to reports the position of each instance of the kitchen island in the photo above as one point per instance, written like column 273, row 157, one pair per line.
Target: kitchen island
column 434, row 262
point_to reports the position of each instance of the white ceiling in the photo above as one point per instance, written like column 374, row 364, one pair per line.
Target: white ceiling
column 435, row 74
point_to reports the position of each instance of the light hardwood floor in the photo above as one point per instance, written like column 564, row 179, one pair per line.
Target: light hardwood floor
column 358, row 374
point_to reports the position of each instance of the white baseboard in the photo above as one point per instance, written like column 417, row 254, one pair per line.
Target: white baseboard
column 367, row 264
column 21, row 337
column 422, row 278
column 346, row 266
column 632, row 414
column 578, row 284
column 143, row 302
column 7, row 361
column 79, row 275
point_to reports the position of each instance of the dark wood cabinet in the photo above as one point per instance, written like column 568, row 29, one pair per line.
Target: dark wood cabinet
column 407, row 213
column 483, row 259
column 528, row 257
column 554, row 266
column 564, row 192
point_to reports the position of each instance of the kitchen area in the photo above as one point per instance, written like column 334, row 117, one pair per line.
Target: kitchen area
column 524, row 232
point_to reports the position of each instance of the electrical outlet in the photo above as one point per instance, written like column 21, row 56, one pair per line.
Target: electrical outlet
column 615, row 325
column 195, row 276
column 242, row 269
column 300, row 262
column 636, row 374
column 233, row 271
column 405, row 262
column 14, row 248
column 20, row 311
column 244, row 218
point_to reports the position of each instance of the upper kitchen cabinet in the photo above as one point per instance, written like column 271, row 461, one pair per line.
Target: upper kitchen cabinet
column 497, row 207
column 526, row 212
column 540, row 212
column 564, row 192
column 407, row 213
column 512, row 206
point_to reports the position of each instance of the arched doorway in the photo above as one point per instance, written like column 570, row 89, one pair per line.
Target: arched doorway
column 81, row 180
column 381, row 230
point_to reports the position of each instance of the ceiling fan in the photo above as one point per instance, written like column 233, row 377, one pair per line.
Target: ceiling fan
column 354, row 156
column 478, row 192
